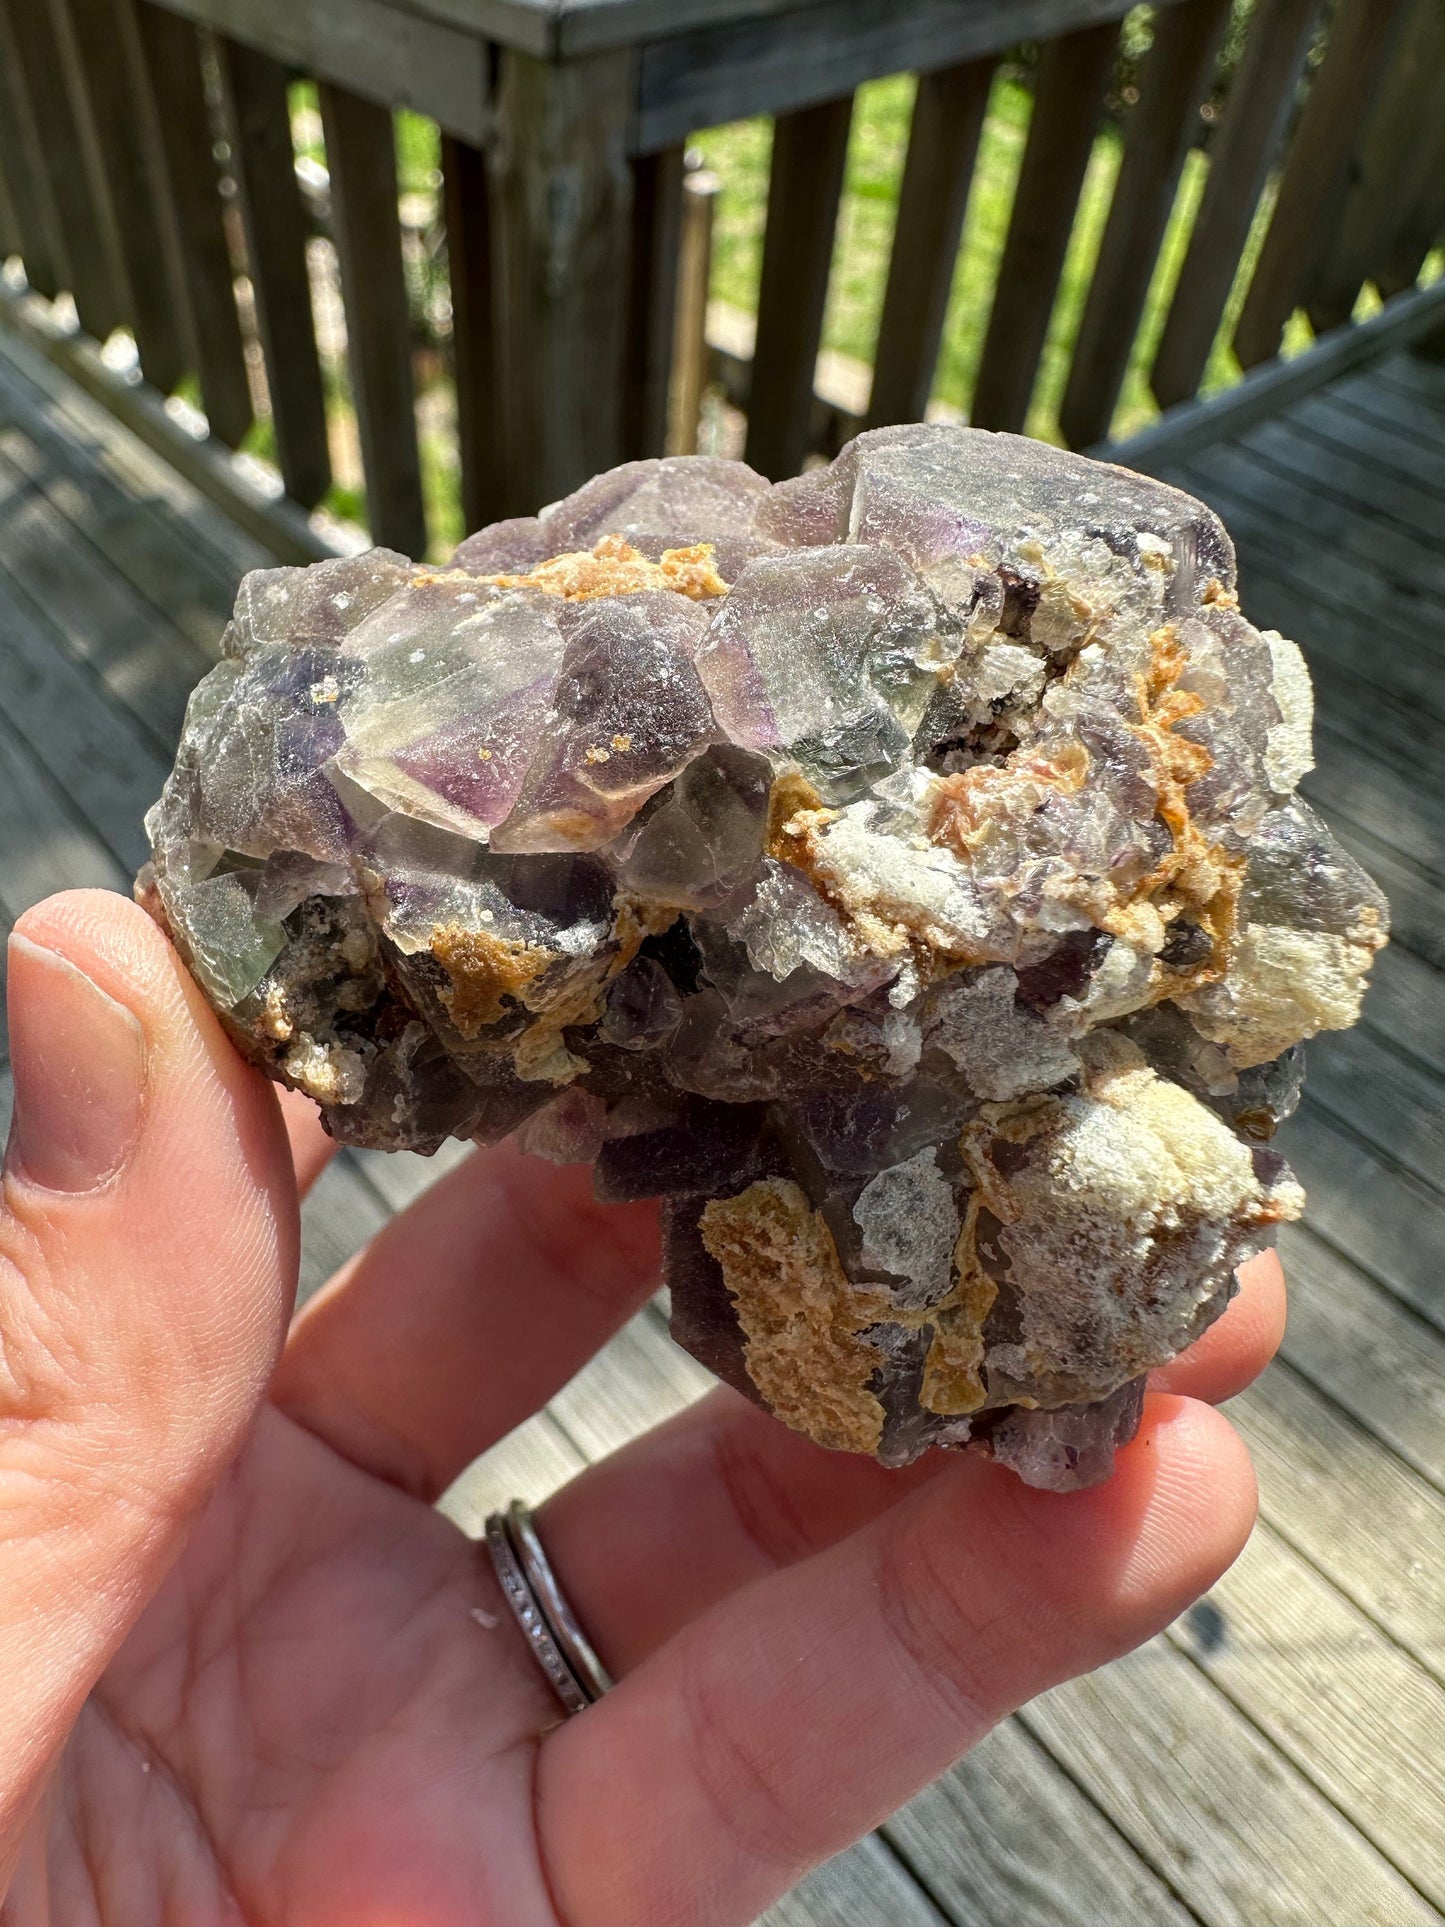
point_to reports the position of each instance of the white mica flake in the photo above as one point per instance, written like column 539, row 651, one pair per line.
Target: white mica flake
column 909, row 1222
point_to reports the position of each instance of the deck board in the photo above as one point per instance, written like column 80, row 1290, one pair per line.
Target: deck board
column 1273, row 1759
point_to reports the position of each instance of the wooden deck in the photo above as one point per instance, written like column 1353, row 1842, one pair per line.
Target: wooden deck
column 1276, row 1758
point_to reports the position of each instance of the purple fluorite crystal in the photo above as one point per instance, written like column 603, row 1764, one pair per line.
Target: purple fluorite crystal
column 897, row 870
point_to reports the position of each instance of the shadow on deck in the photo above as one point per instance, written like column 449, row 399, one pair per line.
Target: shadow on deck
column 1275, row 1758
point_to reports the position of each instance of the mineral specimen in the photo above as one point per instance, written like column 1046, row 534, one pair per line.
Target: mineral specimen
column 897, row 870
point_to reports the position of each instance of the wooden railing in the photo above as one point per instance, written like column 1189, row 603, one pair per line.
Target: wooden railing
column 148, row 170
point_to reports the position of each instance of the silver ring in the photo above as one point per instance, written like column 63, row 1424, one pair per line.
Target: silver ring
column 548, row 1623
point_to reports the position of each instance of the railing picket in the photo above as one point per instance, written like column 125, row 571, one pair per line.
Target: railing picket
column 690, row 359
column 264, row 162
column 109, row 85
column 171, row 58
column 1249, row 137
column 810, row 152
column 32, row 207
column 361, row 158
column 469, row 265
column 1175, row 78
column 1068, row 97
column 652, row 306
column 1422, row 215
column 93, row 271
column 1385, row 176
column 1313, row 181
column 948, row 117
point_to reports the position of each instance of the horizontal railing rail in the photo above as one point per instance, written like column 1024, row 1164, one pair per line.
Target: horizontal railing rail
column 148, row 172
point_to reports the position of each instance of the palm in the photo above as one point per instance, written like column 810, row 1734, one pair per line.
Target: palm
column 311, row 1722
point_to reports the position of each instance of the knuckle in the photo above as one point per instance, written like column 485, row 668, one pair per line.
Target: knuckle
column 767, row 1518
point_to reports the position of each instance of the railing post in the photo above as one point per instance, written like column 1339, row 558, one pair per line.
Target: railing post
column 690, row 362
column 562, row 194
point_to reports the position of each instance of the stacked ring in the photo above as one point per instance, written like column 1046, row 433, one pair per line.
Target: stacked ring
column 540, row 1608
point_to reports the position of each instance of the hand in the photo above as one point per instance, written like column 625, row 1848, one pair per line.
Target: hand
column 249, row 1674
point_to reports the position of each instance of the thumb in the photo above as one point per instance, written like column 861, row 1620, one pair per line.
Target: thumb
column 147, row 1259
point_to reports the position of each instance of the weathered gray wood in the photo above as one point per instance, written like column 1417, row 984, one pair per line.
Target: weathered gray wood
column 1212, row 1805
column 635, row 1382
column 1240, row 155
column 99, row 755
column 361, row 157
column 1387, row 170
column 109, row 93
column 1265, row 390
column 948, row 115
column 469, row 267
column 652, row 301
column 865, row 1883
column 1373, row 1357
column 1421, row 214
column 206, row 464
column 394, row 54
column 341, row 1212
column 1339, row 473
column 826, row 49
column 141, row 658
column 171, row 56
column 1379, row 426
column 1369, row 1524
column 1007, row 1837
column 1361, row 1719
column 1373, row 792
column 1406, row 1004
column 690, row 344
column 67, row 156
column 1368, row 1208
column 1068, row 96
column 529, row 1464
column 27, row 181
column 1161, row 127
column 264, row 164
column 810, row 152
column 401, row 1176
column 1314, row 179
column 561, row 191
column 46, row 845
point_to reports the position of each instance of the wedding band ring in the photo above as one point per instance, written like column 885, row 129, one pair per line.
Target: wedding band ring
column 540, row 1608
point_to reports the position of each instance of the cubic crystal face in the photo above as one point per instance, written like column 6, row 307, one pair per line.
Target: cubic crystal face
column 897, row 870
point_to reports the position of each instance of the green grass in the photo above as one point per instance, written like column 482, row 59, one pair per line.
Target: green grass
column 740, row 154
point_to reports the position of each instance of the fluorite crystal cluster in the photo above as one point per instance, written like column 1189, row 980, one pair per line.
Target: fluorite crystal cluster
column 898, row 870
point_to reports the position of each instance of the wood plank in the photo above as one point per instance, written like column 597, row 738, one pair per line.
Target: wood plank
column 652, row 301
column 1161, row 127
column 26, row 178
column 146, row 665
column 529, row 1464
column 1363, row 1720
column 1340, row 475
column 1422, row 217
column 1378, row 1215
column 1212, row 1805
column 340, row 1213
column 46, row 845
column 1373, row 1357
column 1417, row 915
column 264, row 165
column 361, row 158
column 1007, row 1837
column 810, row 152
column 469, row 269
column 1068, row 99
column 561, row 195
column 108, row 765
column 638, row 1379
column 1372, row 792
column 948, row 116
column 691, row 353
column 1382, row 428
column 1371, row 1526
column 865, row 1883
column 827, row 48
column 1377, row 1093
column 395, row 54
column 171, row 58
column 1313, row 183
column 92, row 272
column 1387, row 174
column 1406, row 1004
column 1255, row 114
column 109, row 94
column 401, row 1176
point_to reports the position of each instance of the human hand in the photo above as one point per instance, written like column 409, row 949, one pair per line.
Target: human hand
column 249, row 1674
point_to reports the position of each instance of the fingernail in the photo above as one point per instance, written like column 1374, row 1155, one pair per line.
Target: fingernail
column 79, row 1059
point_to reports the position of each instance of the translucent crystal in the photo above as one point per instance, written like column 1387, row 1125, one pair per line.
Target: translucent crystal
column 896, row 870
